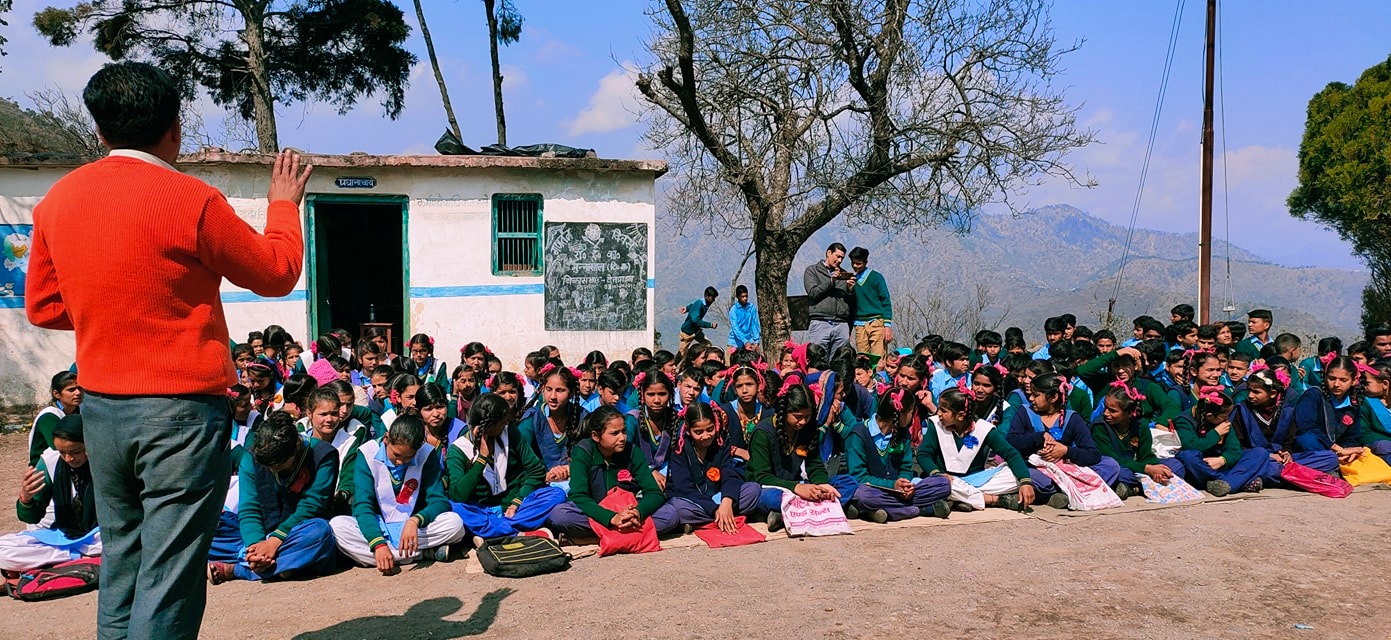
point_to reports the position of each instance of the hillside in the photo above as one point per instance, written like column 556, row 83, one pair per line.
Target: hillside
column 1053, row 260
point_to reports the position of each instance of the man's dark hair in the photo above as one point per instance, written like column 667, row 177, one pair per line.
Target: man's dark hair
column 859, row 254
column 1184, row 311
column 710, row 292
column 133, row 104
column 835, row 246
column 1263, row 314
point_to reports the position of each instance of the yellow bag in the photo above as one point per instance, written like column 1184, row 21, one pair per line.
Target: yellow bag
column 1366, row 469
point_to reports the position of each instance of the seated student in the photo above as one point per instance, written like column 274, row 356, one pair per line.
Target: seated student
column 61, row 479
column 600, row 463
column 367, row 356
column 1234, row 376
column 988, row 345
column 1203, row 370
column 1265, row 419
column 285, row 487
column 291, row 360
column 955, row 359
column 689, row 388
column 244, row 418
column 400, row 396
column 465, row 385
column 1105, row 341
column 328, row 423
column 1258, row 322
column 611, row 386
column 654, row 425
column 1326, row 418
column 712, row 373
column 554, row 428
column 296, row 394
column 1053, row 329
column 879, row 454
column 783, row 455
column 1211, row 454
column 1375, row 417
column 400, row 510
column 1123, row 435
column 1362, row 351
column 1018, row 399
column 707, row 480
column 474, row 355
column 440, row 428
column 1124, row 365
column 378, row 335
column 495, row 481
column 746, row 410
column 263, row 379
column 889, row 366
column 1172, row 376
column 1312, row 367
column 1182, row 335
column 67, row 400
column 913, row 373
column 1053, row 432
column 422, row 362
column 958, row 448
column 381, row 389
column 1065, row 356
column 531, row 371
column 589, row 389
column 242, row 355
column 988, row 385
column 1207, row 338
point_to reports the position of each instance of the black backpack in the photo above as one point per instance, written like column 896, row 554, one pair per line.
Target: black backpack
column 522, row 557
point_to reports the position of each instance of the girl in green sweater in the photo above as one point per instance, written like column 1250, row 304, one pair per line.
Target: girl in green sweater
column 784, row 455
column 496, row 482
column 605, row 461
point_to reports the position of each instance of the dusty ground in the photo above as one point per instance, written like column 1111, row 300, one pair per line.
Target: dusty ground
column 1250, row 569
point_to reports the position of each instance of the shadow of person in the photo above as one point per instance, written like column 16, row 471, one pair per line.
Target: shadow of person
column 426, row 619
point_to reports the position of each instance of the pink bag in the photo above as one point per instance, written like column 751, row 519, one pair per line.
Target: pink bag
column 1315, row 481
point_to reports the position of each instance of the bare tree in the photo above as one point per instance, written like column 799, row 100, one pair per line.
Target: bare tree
column 780, row 115
column 67, row 117
column 927, row 311
column 504, row 26
column 439, row 75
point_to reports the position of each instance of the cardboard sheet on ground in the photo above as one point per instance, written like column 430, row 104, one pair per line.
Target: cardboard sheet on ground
column 1137, row 503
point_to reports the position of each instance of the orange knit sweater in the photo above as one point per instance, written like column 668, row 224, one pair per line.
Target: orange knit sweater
column 130, row 256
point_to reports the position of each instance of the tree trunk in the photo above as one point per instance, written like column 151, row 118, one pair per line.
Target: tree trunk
column 497, row 72
column 770, row 281
column 263, row 104
column 439, row 75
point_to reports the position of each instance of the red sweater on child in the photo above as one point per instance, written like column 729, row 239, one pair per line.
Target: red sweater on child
column 130, row 255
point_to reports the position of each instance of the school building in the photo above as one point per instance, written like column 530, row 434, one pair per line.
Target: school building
column 514, row 252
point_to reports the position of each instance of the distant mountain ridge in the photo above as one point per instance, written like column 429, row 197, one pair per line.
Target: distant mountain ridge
column 1052, row 260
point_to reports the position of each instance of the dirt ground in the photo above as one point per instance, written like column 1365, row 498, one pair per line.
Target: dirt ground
column 1243, row 569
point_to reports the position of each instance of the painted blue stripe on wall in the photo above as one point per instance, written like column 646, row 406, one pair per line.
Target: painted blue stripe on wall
column 298, row 295
column 479, row 290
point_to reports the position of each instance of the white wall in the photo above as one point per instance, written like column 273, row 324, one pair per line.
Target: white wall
column 456, row 299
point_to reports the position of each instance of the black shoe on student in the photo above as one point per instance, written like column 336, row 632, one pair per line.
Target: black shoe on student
column 687, row 529
column 1218, row 488
column 438, row 554
column 962, row 507
column 1254, row 486
column 1122, row 490
column 879, row 516
column 774, row 521
column 939, row 509
column 1058, row 501
column 852, row 512
column 1009, row 501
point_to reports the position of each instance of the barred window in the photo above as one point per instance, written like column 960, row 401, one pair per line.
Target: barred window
column 517, row 234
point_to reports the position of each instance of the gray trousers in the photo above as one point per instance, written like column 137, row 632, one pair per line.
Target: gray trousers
column 830, row 335
column 160, row 467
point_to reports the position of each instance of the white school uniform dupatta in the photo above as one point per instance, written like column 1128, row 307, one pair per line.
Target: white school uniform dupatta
column 495, row 473
column 50, row 410
column 957, row 460
column 395, row 506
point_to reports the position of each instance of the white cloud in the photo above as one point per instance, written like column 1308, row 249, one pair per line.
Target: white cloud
column 612, row 107
column 514, row 79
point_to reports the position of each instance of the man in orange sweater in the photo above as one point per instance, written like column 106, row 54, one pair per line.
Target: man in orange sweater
column 129, row 253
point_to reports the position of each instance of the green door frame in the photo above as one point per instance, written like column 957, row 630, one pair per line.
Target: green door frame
column 312, row 260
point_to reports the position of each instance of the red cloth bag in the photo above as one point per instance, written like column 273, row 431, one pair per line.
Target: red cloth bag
column 1315, row 481
column 743, row 534
column 611, row 541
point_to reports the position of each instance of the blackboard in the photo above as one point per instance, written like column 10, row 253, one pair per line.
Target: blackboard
column 596, row 276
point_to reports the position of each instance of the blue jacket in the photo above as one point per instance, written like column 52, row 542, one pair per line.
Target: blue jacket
column 695, row 318
column 744, row 327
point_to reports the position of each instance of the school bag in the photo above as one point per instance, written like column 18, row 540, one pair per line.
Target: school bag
column 803, row 518
column 1085, row 490
column 1315, row 481
column 58, row 581
column 1173, row 493
column 1368, row 468
column 612, row 541
column 522, row 557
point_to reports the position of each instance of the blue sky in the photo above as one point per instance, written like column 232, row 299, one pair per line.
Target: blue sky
column 565, row 83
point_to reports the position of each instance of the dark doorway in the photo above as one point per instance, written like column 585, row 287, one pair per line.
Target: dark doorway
column 358, row 277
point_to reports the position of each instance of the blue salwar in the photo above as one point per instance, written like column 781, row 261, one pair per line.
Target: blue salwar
column 309, row 548
column 489, row 522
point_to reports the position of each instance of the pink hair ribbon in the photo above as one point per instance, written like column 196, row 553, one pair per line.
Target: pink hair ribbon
column 1211, row 394
column 1328, row 357
column 1130, row 392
